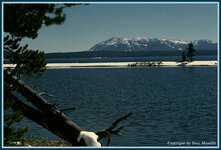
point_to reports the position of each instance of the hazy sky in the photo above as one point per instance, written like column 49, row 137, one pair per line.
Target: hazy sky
column 87, row 25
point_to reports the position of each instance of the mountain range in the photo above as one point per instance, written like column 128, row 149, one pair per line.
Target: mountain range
column 151, row 44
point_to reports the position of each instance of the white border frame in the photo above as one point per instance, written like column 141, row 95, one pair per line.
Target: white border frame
column 142, row 147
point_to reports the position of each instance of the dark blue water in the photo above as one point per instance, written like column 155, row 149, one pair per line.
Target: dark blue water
column 169, row 104
column 126, row 59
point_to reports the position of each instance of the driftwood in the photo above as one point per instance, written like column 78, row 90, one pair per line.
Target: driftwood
column 48, row 115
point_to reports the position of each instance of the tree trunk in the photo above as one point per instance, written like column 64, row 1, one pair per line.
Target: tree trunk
column 47, row 115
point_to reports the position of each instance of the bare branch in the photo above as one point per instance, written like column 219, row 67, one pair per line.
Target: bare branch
column 66, row 109
column 108, row 131
column 118, row 121
column 50, row 117
column 44, row 93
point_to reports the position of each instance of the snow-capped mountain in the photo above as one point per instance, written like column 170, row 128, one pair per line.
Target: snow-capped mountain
column 143, row 44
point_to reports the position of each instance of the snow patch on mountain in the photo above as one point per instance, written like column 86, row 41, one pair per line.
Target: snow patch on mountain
column 143, row 44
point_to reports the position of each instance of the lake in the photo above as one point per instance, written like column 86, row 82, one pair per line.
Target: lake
column 169, row 104
column 126, row 59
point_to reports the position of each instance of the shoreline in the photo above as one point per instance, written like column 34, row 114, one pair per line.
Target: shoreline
column 127, row 64
column 26, row 142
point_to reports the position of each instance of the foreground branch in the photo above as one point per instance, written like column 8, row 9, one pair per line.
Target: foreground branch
column 49, row 116
column 54, row 120
column 108, row 131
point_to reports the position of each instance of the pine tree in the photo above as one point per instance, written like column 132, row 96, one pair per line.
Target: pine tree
column 183, row 57
column 20, row 21
column 190, row 51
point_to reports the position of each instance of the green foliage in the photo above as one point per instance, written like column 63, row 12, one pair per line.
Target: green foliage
column 20, row 21
column 33, row 63
column 10, row 133
column 11, row 117
column 190, row 52
column 24, row 20
column 28, row 62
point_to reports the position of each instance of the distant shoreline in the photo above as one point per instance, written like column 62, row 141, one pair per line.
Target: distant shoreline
column 128, row 64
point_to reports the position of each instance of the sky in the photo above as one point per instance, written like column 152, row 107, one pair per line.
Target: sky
column 87, row 25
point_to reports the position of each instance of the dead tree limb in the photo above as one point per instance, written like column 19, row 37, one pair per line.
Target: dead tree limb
column 44, row 93
column 66, row 109
column 108, row 131
column 49, row 116
column 54, row 120
column 52, row 123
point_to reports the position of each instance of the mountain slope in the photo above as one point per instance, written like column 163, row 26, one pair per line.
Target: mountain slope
column 143, row 44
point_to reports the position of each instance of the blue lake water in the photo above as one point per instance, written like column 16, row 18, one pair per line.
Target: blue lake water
column 126, row 59
column 169, row 104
